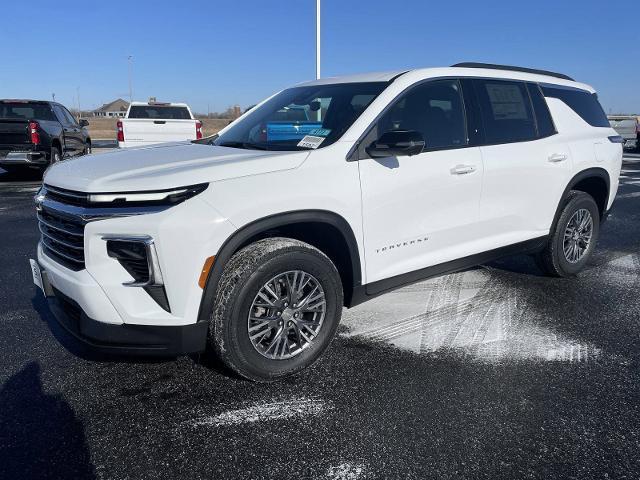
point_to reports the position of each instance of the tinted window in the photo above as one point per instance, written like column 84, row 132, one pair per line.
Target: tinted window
column 159, row 112
column 506, row 111
column 434, row 109
column 541, row 110
column 320, row 114
column 26, row 111
column 70, row 118
column 60, row 113
column 582, row 102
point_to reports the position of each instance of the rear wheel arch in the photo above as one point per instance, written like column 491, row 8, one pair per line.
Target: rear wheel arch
column 325, row 230
column 594, row 181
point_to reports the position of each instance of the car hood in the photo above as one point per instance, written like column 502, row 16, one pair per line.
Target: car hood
column 165, row 166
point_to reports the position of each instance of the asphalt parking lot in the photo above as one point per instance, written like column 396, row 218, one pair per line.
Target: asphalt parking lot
column 495, row 372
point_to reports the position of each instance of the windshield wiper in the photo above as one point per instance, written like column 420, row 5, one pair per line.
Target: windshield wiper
column 245, row 145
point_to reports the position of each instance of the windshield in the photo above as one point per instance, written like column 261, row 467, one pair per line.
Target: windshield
column 302, row 118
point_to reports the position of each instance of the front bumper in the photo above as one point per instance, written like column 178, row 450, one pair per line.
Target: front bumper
column 27, row 158
column 123, row 339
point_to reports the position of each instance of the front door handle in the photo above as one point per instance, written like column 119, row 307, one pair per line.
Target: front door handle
column 557, row 157
column 463, row 169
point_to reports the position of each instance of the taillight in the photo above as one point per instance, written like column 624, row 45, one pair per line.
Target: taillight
column 198, row 129
column 33, row 130
column 120, row 131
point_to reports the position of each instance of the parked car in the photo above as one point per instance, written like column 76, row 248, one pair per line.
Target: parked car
column 155, row 122
column 251, row 244
column 35, row 134
column 628, row 127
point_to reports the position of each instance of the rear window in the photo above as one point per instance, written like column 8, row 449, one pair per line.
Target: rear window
column 582, row 102
column 26, row 111
column 160, row 112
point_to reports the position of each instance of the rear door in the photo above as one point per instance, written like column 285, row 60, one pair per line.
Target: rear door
column 526, row 165
column 422, row 210
column 150, row 124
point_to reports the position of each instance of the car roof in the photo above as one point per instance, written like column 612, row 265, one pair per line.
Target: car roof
column 488, row 72
column 158, row 104
column 24, row 100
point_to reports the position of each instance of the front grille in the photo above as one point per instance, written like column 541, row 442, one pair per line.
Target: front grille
column 67, row 197
column 62, row 236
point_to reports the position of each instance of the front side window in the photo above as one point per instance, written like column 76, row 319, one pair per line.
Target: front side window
column 434, row 109
column 302, row 118
column 62, row 116
column 506, row 111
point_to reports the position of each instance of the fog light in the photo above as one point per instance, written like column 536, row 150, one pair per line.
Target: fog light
column 138, row 256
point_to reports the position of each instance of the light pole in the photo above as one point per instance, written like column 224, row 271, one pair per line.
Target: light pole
column 317, row 39
column 79, row 109
column 130, row 60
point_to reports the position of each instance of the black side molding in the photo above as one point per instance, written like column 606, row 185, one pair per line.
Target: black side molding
column 371, row 290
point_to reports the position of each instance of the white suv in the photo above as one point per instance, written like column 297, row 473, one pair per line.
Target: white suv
column 322, row 196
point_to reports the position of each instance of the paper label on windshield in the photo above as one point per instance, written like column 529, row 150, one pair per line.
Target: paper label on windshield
column 310, row 141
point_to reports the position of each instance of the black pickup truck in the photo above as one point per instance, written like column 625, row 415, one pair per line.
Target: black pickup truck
column 34, row 134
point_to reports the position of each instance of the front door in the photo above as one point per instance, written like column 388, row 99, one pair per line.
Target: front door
column 421, row 210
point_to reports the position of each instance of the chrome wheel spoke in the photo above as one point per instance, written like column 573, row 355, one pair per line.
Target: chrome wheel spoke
column 286, row 315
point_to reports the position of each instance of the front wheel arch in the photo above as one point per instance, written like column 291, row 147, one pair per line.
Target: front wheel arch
column 268, row 226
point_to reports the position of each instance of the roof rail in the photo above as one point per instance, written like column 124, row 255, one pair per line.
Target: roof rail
column 513, row 69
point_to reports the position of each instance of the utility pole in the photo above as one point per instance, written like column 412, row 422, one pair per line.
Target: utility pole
column 317, row 39
column 130, row 60
column 79, row 109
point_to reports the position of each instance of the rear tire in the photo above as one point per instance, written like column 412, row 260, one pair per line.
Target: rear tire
column 573, row 238
column 258, row 302
column 55, row 156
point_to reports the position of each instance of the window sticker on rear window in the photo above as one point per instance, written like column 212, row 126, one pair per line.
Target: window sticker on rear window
column 309, row 141
column 320, row 132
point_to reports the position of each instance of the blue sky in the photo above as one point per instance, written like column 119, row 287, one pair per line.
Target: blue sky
column 219, row 53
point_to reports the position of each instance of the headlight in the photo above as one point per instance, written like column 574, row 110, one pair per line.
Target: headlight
column 155, row 197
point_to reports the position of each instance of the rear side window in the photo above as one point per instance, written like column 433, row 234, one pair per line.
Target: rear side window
column 26, row 111
column 159, row 112
column 506, row 110
column 582, row 102
column 541, row 110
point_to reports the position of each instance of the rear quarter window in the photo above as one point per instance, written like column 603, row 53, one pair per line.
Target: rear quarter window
column 159, row 112
column 584, row 103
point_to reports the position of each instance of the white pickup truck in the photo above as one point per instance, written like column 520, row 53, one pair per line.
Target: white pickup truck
column 155, row 122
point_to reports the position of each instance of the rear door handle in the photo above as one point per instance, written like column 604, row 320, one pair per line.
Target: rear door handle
column 463, row 169
column 557, row 157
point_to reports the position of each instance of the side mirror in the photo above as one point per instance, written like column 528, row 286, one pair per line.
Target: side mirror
column 396, row 143
column 83, row 122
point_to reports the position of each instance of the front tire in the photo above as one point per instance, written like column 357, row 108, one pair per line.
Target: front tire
column 573, row 237
column 277, row 308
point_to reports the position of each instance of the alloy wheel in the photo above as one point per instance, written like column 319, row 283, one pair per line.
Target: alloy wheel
column 286, row 315
column 577, row 235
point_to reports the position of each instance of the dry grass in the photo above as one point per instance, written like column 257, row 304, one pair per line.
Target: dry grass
column 105, row 128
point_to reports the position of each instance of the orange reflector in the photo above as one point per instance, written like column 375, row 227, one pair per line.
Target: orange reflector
column 208, row 263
